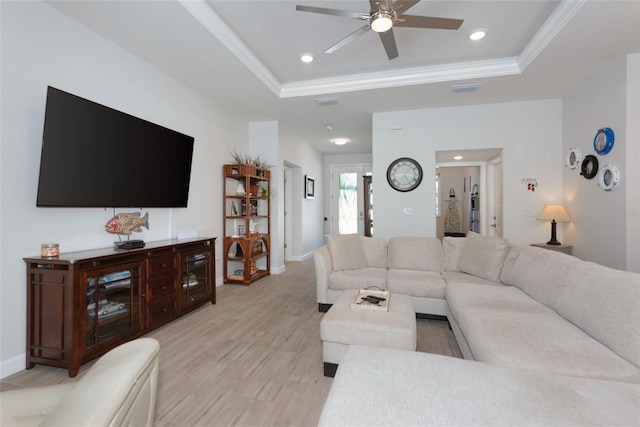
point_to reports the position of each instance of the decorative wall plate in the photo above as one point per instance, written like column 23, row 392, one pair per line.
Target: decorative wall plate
column 603, row 141
column 589, row 166
column 609, row 177
column 573, row 159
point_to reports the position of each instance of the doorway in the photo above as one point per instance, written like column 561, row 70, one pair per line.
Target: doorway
column 348, row 199
column 471, row 189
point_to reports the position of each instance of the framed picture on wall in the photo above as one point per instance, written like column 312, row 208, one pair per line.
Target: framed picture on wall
column 309, row 187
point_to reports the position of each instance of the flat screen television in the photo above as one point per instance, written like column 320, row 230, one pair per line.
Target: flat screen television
column 95, row 156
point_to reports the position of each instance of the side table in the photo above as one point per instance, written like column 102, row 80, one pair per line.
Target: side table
column 566, row 249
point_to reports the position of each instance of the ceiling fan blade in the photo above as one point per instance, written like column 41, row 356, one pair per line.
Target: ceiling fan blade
column 389, row 43
column 351, row 37
column 428, row 22
column 334, row 12
column 401, row 6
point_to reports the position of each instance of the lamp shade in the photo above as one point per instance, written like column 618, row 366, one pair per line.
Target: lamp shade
column 554, row 212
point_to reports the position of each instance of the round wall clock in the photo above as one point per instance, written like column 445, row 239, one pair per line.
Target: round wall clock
column 404, row 174
column 603, row 141
column 573, row 159
column 589, row 167
column 609, row 177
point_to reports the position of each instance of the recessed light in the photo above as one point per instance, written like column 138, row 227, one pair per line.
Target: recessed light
column 306, row 57
column 457, row 157
column 340, row 141
column 478, row 34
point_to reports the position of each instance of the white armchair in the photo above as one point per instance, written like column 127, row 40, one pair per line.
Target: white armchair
column 119, row 390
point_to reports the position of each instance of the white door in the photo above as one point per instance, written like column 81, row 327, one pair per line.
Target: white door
column 347, row 199
column 288, row 234
column 497, row 198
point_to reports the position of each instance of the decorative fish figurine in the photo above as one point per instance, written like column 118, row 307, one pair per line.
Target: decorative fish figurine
column 126, row 223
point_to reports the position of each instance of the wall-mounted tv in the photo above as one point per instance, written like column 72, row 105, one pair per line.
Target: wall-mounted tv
column 95, row 156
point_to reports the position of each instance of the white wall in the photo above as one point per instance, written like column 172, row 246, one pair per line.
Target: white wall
column 598, row 229
column 263, row 142
column 308, row 233
column 530, row 134
column 633, row 154
column 41, row 47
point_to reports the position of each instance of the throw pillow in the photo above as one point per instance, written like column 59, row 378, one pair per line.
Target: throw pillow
column 346, row 252
column 416, row 253
column 483, row 256
column 375, row 251
column 452, row 247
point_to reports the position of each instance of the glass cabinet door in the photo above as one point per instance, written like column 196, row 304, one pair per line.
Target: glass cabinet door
column 113, row 302
column 196, row 273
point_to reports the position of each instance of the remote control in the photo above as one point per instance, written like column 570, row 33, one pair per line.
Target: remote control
column 371, row 300
column 377, row 298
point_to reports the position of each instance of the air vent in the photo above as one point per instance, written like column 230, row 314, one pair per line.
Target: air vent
column 326, row 101
column 471, row 87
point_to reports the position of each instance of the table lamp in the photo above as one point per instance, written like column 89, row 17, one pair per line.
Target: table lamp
column 555, row 214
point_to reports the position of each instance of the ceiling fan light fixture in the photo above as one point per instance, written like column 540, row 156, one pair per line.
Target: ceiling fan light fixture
column 381, row 21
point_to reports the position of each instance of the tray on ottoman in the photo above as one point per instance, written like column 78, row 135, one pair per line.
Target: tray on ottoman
column 360, row 304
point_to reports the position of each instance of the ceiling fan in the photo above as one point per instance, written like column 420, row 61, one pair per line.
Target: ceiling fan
column 381, row 19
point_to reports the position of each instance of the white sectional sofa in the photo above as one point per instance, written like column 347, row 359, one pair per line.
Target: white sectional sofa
column 550, row 339
column 407, row 265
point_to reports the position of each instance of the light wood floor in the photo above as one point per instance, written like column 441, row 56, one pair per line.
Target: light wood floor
column 253, row 359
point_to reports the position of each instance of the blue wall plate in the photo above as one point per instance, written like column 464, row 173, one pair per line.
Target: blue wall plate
column 603, row 141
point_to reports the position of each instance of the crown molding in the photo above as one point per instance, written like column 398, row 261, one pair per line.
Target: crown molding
column 563, row 13
column 402, row 77
column 220, row 30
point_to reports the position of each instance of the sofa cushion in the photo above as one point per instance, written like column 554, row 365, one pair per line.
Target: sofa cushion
column 451, row 247
column 542, row 274
column 460, row 277
column 375, row 251
column 358, row 279
column 406, row 388
column 346, row 252
column 505, row 327
column 428, row 284
column 483, row 256
column 416, row 253
column 606, row 304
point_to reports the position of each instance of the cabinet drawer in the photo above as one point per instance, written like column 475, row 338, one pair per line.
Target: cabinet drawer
column 162, row 312
column 161, row 264
column 159, row 288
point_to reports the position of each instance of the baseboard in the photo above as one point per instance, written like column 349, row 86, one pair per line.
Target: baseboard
column 13, row 365
column 277, row 270
column 323, row 308
column 330, row 369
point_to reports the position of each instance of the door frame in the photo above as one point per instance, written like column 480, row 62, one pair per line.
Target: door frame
column 360, row 169
column 483, row 192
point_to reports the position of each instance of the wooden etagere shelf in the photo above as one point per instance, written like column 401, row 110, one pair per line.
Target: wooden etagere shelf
column 247, row 227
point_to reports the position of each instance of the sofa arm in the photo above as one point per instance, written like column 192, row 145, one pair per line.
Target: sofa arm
column 31, row 403
column 322, row 261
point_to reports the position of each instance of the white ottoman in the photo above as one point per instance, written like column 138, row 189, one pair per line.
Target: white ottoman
column 343, row 325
